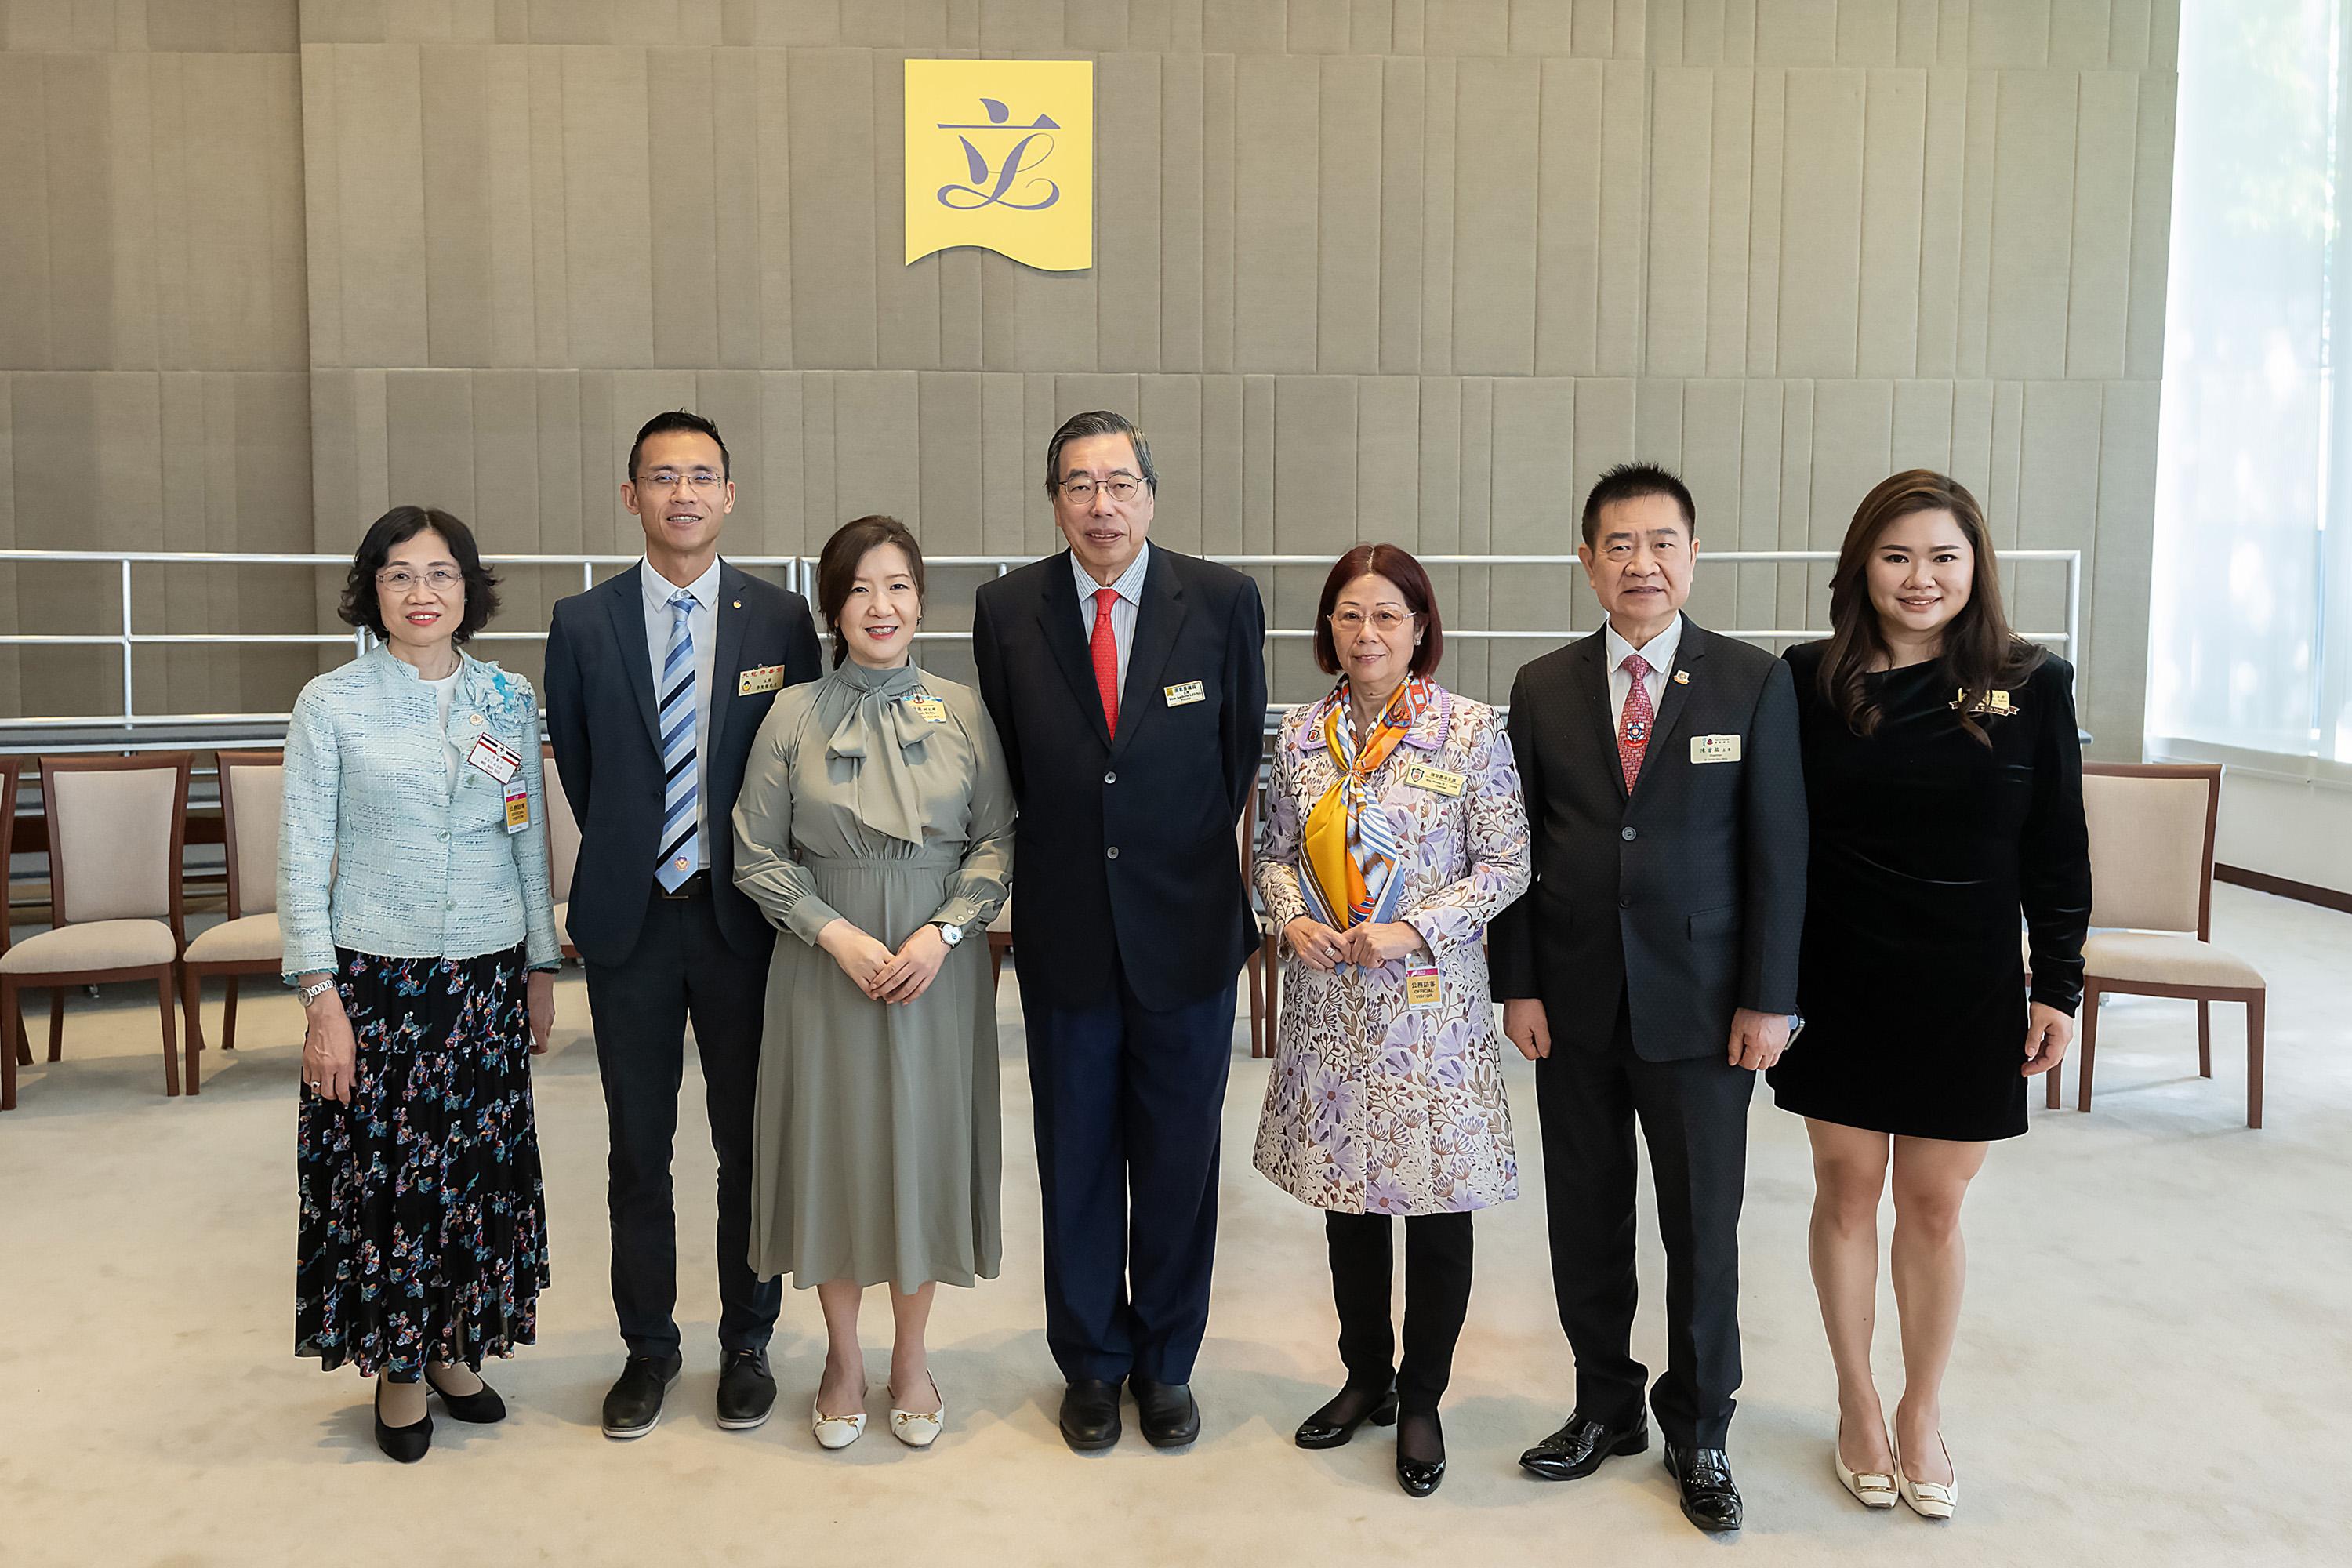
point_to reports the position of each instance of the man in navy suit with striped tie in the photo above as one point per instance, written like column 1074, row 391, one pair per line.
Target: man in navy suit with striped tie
column 656, row 681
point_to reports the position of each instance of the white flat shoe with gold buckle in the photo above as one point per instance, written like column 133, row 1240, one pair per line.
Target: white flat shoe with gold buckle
column 920, row 1428
column 1872, row 1488
column 1926, row 1498
column 835, row 1431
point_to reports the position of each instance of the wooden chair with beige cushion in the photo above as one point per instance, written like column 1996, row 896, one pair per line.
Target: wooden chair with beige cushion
column 248, row 943
column 116, row 828
column 563, row 851
column 2152, row 828
column 11, row 772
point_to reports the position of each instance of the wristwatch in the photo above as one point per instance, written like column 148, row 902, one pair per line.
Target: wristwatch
column 950, row 935
column 310, row 993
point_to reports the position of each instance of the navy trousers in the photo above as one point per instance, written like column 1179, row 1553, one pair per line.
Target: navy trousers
column 1129, row 1104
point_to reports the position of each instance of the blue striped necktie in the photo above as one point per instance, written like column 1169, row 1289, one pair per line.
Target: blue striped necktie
column 682, row 780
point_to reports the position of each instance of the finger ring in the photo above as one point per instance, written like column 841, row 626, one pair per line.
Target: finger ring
column 314, row 1083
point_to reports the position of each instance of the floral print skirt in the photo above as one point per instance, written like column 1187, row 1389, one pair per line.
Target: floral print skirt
column 423, row 1228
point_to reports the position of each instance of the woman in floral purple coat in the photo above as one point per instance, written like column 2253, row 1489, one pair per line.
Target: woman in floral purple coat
column 1394, row 833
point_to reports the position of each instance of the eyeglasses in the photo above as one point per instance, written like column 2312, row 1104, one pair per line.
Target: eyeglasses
column 670, row 479
column 1348, row 623
column 1081, row 492
column 400, row 580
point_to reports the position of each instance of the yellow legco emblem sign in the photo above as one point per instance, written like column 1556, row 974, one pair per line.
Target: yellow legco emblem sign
column 1001, row 154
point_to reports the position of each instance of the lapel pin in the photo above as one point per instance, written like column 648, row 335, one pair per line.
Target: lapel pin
column 1682, row 678
column 738, row 604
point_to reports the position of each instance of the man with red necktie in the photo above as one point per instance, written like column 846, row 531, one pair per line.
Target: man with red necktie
column 1129, row 684
column 1651, row 970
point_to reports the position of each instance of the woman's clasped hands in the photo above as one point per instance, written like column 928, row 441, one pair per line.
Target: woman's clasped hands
column 1370, row 945
column 882, row 974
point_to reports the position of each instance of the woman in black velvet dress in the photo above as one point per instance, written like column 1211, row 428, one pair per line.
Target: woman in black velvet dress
column 1944, row 777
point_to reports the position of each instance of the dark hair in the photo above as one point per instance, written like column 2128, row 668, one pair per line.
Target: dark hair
column 1101, row 422
column 1631, row 481
column 837, row 567
column 1393, row 562
column 1980, row 654
column 677, row 419
column 396, row 528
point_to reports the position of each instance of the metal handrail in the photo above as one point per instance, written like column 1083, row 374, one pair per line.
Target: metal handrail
column 800, row 573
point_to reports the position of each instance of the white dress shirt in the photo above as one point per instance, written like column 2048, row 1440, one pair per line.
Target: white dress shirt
column 1122, row 610
column 1658, row 652
column 702, row 621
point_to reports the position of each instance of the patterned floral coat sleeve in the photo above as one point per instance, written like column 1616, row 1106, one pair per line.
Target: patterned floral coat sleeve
column 1376, row 1106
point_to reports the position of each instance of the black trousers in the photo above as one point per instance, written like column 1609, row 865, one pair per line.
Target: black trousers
column 681, row 967
column 1436, row 1300
column 1694, row 1115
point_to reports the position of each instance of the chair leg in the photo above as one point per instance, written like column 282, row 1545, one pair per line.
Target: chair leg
column 12, row 1018
column 23, row 1054
column 2204, row 1038
column 2254, row 1060
column 166, row 1001
column 1256, row 1004
column 57, row 1022
column 2090, row 1047
column 229, row 1016
column 192, row 1010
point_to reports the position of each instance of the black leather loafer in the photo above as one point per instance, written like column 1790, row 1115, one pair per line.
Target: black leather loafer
column 1577, row 1450
column 1090, row 1415
column 1703, row 1476
column 1167, row 1413
column 480, row 1408
column 406, row 1444
column 1419, row 1477
column 635, row 1403
column 1344, row 1412
column 747, row 1390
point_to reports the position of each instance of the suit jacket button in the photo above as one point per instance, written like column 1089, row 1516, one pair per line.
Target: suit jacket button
column 1112, row 853
column 1628, row 835
column 1110, row 778
column 1623, row 903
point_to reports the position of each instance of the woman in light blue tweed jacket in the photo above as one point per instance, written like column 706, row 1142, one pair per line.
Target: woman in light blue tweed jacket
column 413, row 890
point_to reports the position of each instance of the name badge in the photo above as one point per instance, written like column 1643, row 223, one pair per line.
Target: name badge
column 1421, row 987
column 1994, row 704
column 1438, row 780
column 766, row 677
column 518, row 795
column 1714, row 748
column 929, row 708
column 1182, row 693
column 493, row 758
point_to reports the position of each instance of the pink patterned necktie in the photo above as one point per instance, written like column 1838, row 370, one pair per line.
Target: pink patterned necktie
column 1633, row 729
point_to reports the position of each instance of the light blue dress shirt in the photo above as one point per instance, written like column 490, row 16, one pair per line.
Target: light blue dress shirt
column 1122, row 611
column 703, row 620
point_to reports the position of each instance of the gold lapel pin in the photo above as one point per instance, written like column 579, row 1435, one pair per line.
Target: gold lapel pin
column 738, row 604
column 1682, row 678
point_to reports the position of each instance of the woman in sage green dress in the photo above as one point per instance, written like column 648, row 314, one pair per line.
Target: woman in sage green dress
column 875, row 829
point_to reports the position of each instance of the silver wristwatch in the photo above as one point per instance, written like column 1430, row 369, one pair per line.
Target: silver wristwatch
column 310, row 993
column 950, row 935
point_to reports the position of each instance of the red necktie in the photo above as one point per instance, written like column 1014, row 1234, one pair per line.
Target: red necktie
column 1104, row 645
column 1633, row 728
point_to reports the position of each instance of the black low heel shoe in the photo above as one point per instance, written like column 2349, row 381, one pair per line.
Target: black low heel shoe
column 1332, row 1426
column 406, row 1444
column 480, row 1408
column 1420, row 1478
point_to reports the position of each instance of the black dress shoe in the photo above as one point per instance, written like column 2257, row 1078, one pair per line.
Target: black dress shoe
column 1090, row 1415
column 1419, row 1472
column 1578, row 1448
column 1167, row 1413
column 747, row 1390
column 406, row 1444
column 1703, row 1476
column 480, row 1408
column 1344, row 1412
column 633, row 1404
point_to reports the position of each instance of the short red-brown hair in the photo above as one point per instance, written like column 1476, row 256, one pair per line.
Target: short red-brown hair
column 1397, row 564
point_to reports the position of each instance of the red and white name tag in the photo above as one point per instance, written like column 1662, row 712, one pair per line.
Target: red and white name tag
column 493, row 758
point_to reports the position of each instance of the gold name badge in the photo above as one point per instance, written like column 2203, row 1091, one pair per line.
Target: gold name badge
column 1182, row 693
column 1714, row 748
column 930, row 708
column 766, row 677
column 1420, row 989
column 1995, row 703
column 1420, row 775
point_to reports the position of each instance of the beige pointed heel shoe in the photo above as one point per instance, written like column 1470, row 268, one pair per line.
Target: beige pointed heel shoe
column 1928, row 1499
column 920, row 1428
column 835, row 1431
column 1872, row 1488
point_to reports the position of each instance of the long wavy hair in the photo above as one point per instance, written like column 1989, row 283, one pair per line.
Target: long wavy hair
column 1980, row 653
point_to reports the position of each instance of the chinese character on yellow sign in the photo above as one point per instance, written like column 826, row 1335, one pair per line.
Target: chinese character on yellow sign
column 1001, row 154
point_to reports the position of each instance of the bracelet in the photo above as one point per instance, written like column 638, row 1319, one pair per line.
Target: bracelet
column 310, row 993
